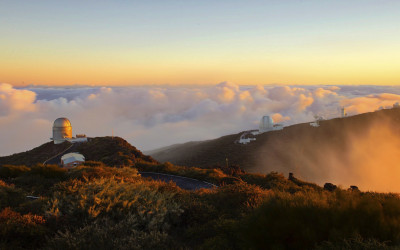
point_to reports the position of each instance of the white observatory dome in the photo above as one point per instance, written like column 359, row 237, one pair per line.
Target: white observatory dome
column 62, row 130
column 266, row 124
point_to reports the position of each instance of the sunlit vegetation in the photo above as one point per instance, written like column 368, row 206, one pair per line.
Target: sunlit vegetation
column 95, row 206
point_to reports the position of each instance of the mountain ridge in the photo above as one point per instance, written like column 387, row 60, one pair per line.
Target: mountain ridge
column 299, row 148
column 113, row 151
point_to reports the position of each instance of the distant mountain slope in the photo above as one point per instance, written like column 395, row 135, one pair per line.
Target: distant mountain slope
column 113, row 151
column 313, row 153
column 163, row 150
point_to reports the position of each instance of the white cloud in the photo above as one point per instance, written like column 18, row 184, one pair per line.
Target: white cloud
column 15, row 100
column 151, row 117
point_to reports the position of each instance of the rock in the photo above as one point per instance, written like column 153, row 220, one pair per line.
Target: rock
column 354, row 188
column 330, row 187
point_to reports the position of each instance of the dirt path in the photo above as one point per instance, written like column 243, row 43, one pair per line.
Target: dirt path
column 56, row 159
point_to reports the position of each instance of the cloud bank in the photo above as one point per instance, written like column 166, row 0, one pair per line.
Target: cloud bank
column 152, row 117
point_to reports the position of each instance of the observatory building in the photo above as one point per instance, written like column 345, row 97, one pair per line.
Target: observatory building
column 72, row 160
column 62, row 130
column 267, row 124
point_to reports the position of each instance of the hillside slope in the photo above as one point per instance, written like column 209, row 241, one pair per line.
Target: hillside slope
column 113, row 151
column 36, row 155
column 314, row 153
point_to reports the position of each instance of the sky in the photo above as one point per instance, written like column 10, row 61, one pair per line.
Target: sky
column 123, row 43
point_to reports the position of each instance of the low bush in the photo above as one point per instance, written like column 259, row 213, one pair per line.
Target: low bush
column 215, row 176
column 99, row 171
column 302, row 219
column 10, row 196
column 95, row 206
column 105, row 233
column 49, row 171
column 355, row 243
column 11, row 171
column 21, row 231
column 80, row 200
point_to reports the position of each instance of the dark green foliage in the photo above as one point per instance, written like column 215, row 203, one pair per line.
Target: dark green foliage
column 215, row 176
column 48, row 171
column 272, row 180
column 212, row 217
column 93, row 170
column 105, row 233
column 302, row 219
column 356, row 243
column 11, row 171
column 36, row 180
column 10, row 196
column 138, row 214
column 21, row 231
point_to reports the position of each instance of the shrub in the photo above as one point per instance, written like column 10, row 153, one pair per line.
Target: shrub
column 272, row 180
column 10, row 196
column 302, row 219
column 105, row 233
column 49, row 171
column 238, row 198
column 11, row 171
column 79, row 200
column 211, row 216
column 215, row 176
column 356, row 243
column 101, row 171
column 18, row 230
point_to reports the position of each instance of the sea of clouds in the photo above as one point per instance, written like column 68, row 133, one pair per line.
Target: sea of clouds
column 150, row 117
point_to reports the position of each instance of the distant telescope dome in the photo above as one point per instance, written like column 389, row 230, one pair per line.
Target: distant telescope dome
column 62, row 130
column 266, row 124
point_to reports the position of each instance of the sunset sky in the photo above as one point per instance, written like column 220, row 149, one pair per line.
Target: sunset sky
column 124, row 42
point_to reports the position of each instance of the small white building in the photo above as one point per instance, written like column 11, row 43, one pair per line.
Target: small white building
column 72, row 160
column 246, row 140
column 317, row 121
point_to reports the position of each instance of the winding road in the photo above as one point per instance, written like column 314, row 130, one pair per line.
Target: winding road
column 182, row 182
